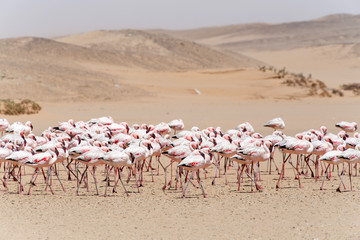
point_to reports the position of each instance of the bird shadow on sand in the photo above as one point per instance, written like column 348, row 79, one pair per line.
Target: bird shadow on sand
column 191, row 197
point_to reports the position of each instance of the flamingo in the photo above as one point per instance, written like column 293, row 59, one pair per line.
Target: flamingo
column 163, row 128
column 102, row 120
column 195, row 162
column 177, row 154
column 245, row 127
column 176, row 125
column 225, row 149
column 18, row 127
column 333, row 158
column 351, row 156
column 258, row 153
column 294, row 146
column 275, row 138
column 140, row 151
column 183, row 133
column 244, row 163
column 90, row 159
column 276, row 123
column 4, row 124
column 319, row 149
column 347, row 126
column 41, row 160
column 117, row 159
column 4, row 153
column 19, row 158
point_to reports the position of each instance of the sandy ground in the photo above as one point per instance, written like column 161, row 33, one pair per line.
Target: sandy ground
column 290, row 212
column 333, row 64
column 64, row 87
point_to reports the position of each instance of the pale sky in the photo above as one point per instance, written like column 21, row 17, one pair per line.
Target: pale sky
column 50, row 18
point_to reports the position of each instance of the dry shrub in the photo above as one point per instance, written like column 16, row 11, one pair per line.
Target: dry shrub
column 354, row 87
column 11, row 107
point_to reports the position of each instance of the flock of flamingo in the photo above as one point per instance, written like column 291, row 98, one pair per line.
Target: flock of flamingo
column 81, row 147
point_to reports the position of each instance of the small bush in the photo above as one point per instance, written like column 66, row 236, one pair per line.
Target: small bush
column 26, row 106
column 354, row 87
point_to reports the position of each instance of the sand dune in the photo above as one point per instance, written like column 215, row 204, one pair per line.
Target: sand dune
column 68, row 69
column 333, row 29
column 143, row 77
column 333, row 64
column 327, row 48
column 157, row 51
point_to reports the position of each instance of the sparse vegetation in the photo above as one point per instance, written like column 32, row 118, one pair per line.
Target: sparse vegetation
column 315, row 87
column 11, row 107
column 354, row 87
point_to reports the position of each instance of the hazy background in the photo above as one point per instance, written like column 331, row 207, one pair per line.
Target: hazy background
column 60, row 17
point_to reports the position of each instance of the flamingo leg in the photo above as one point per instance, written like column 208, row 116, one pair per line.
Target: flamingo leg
column 240, row 174
column 48, row 184
column 341, row 181
column 187, row 184
column 225, row 163
column 165, row 172
column 258, row 187
column 107, row 181
column 282, row 170
column 94, row 176
column 217, row 167
column 82, row 176
column 116, row 179
column 32, row 181
column 350, row 176
column 326, row 169
column 297, row 172
column 57, row 176
column 317, row 167
column 199, row 181
column 119, row 173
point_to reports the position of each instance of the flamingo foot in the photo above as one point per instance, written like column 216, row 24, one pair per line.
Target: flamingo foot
column 259, row 188
column 338, row 189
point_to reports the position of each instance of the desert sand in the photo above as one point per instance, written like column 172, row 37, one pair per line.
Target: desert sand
column 153, row 214
column 87, row 85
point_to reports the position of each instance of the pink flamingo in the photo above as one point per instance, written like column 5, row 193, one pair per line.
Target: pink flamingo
column 347, row 126
column 320, row 148
column 177, row 154
column 195, row 162
column 276, row 123
column 176, row 125
column 4, row 124
column 351, row 156
column 117, row 160
column 258, row 153
column 333, row 158
column 41, row 160
column 294, row 146
column 90, row 159
column 244, row 163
